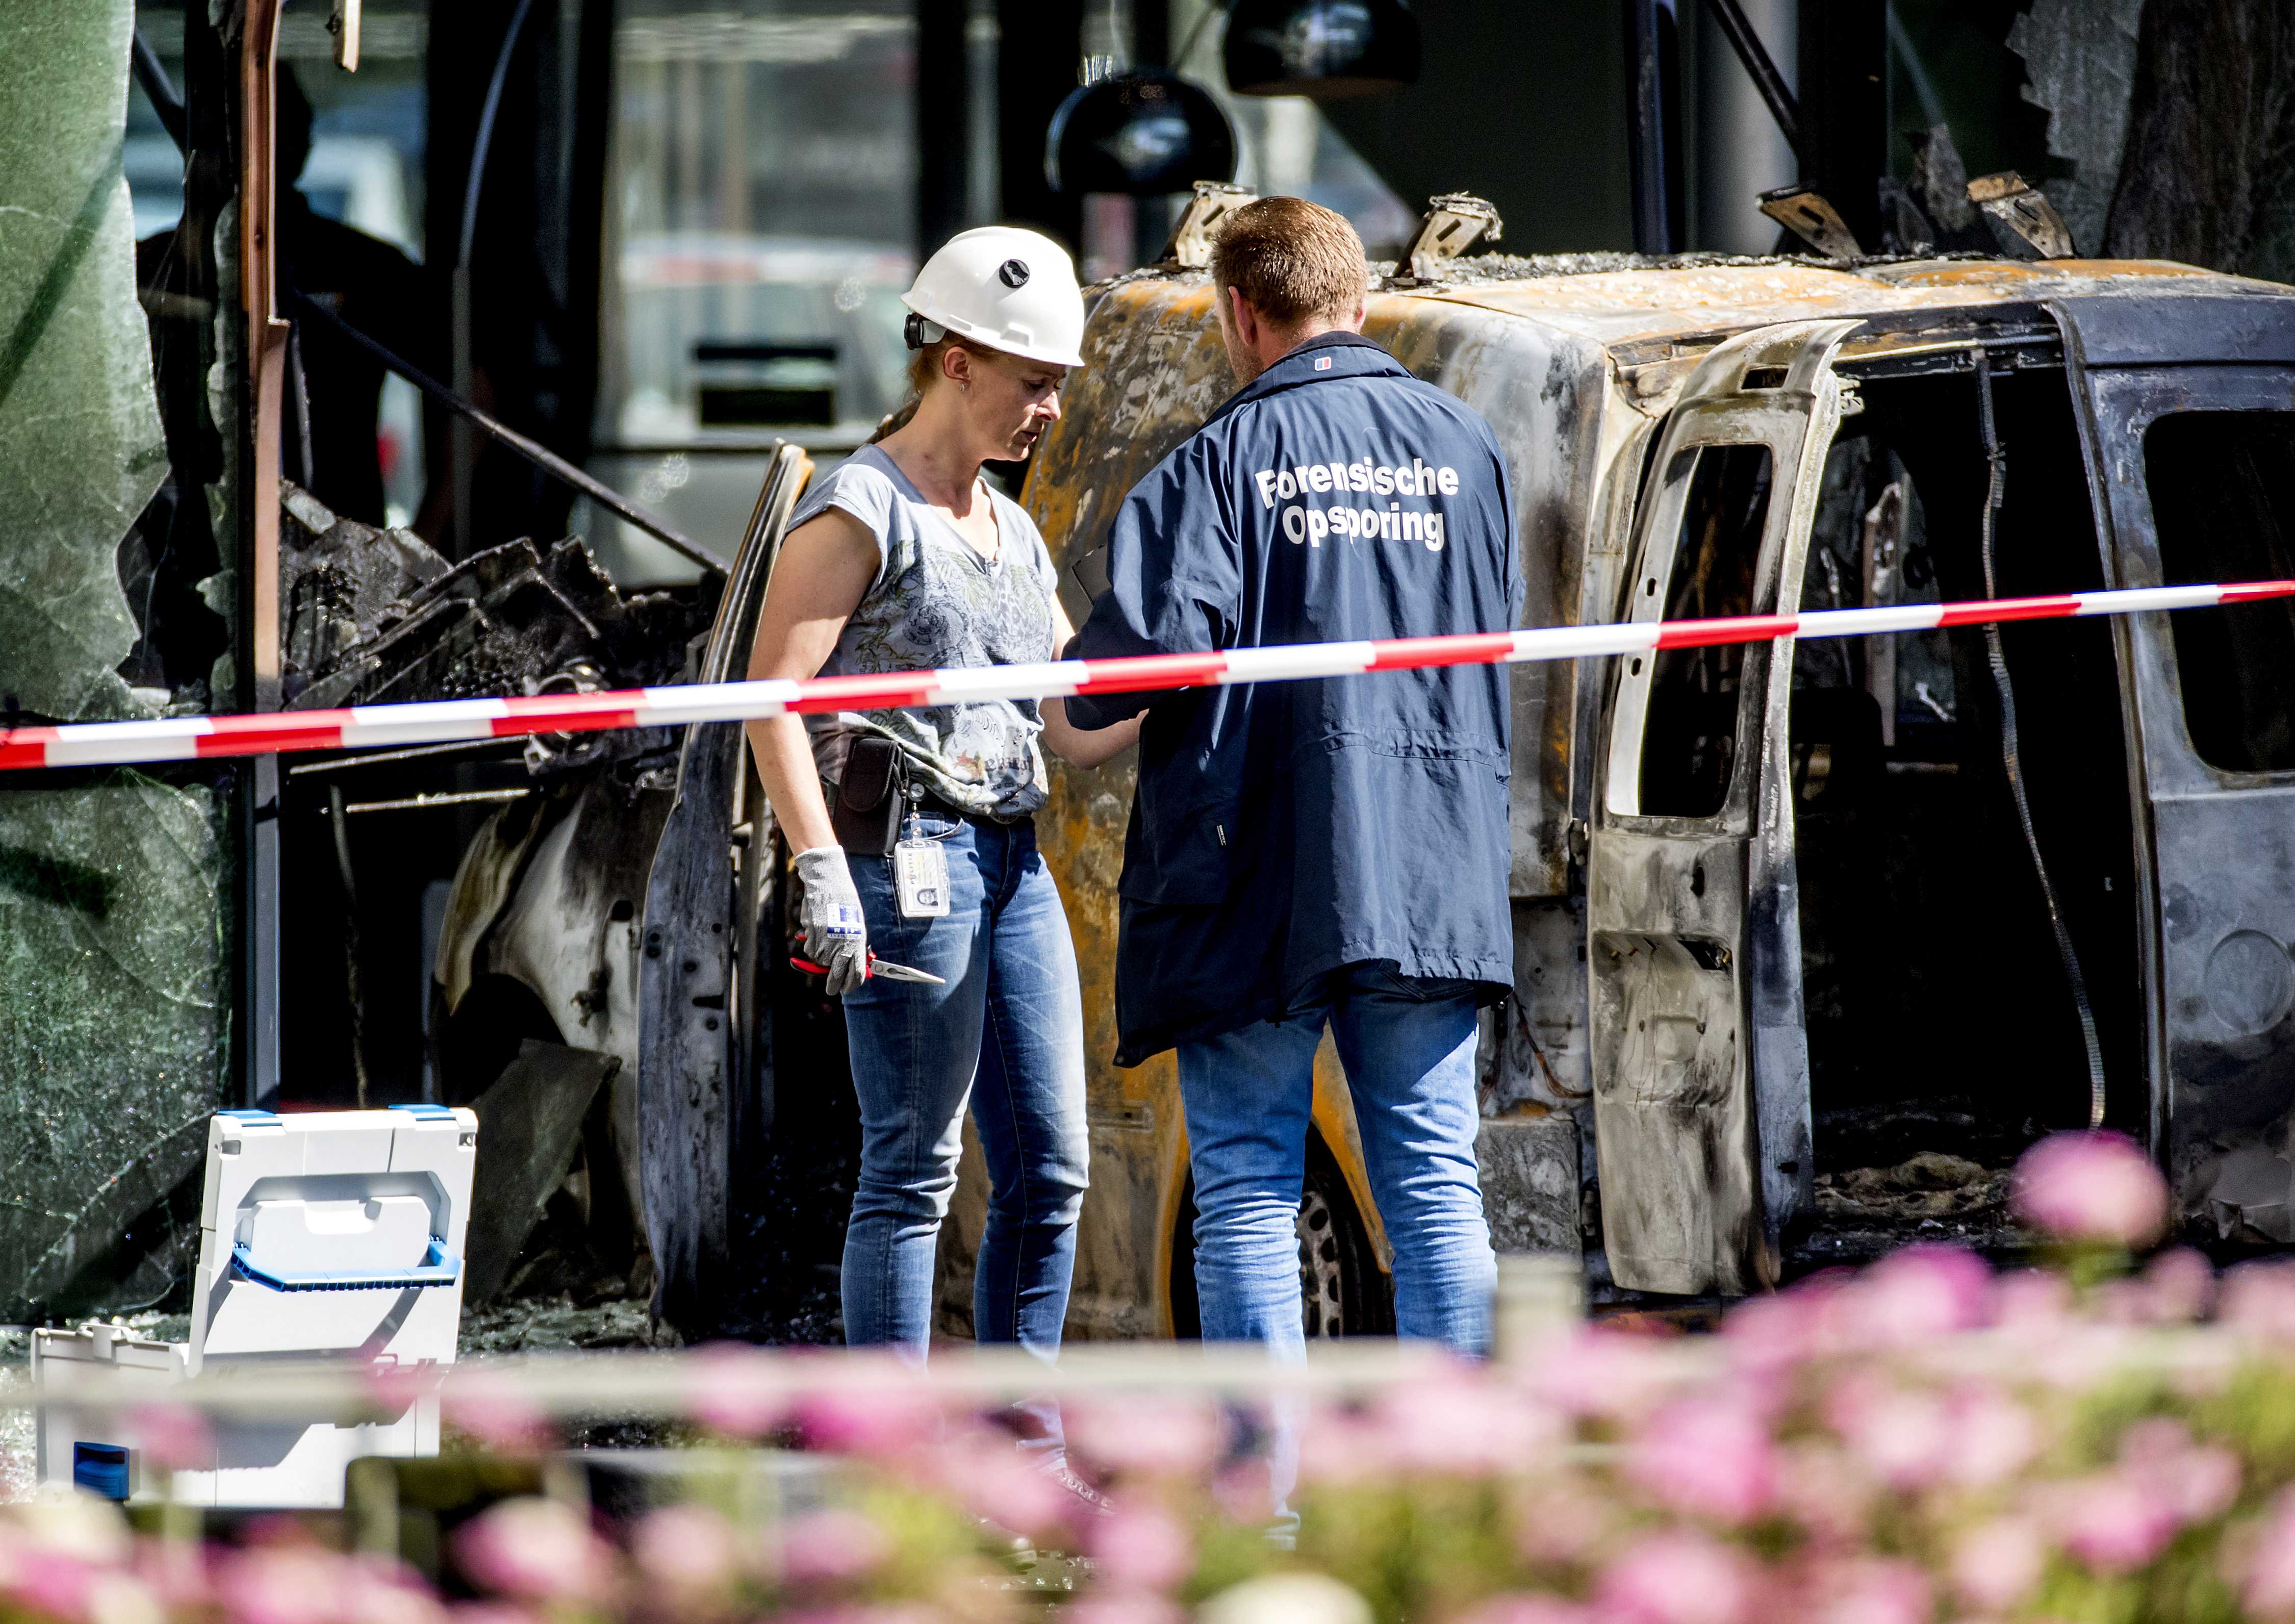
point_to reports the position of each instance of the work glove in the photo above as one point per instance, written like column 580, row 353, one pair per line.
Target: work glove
column 835, row 930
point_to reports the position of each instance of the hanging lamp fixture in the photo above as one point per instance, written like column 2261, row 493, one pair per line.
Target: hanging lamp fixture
column 1320, row 48
column 1144, row 134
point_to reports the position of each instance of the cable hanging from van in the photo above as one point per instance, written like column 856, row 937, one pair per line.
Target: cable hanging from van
column 1996, row 497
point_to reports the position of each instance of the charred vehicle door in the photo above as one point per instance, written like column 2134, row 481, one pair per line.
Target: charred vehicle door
column 1700, row 1059
column 2189, row 409
column 704, row 1081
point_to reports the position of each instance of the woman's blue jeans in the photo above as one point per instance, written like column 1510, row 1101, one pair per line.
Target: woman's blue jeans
column 1006, row 1031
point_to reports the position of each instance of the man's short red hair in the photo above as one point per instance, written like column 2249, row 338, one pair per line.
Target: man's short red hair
column 1292, row 260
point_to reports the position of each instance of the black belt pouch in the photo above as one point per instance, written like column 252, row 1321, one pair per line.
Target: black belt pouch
column 867, row 812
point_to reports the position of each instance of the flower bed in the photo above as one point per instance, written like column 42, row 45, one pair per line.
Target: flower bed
column 1924, row 1441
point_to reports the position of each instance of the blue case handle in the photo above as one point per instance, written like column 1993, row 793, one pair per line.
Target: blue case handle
column 439, row 1267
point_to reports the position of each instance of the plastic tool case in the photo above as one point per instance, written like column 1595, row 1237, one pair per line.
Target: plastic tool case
column 329, row 1236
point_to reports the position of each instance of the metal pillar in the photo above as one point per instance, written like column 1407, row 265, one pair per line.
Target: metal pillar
column 943, row 97
column 1654, row 127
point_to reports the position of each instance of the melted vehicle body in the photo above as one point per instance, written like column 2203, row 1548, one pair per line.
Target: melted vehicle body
column 1721, row 438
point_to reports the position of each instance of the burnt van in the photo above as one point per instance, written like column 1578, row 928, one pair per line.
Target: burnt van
column 1810, row 940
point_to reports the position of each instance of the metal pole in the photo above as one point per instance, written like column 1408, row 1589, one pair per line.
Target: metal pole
column 1654, row 125
column 944, row 115
column 1747, row 44
column 547, row 461
column 463, row 447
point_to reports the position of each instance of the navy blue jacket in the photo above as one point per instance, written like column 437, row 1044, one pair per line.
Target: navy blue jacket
column 1282, row 830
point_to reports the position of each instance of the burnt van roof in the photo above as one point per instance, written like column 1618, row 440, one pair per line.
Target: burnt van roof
column 1626, row 300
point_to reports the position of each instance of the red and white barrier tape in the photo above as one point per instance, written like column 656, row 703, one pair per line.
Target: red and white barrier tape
column 374, row 726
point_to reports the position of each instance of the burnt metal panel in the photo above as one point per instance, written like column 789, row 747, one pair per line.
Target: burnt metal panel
column 2215, row 849
column 692, row 1047
column 1700, row 1055
column 2201, row 321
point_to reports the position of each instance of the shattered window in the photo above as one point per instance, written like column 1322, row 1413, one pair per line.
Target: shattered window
column 1689, row 742
column 114, row 978
column 2222, row 498
column 114, row 1034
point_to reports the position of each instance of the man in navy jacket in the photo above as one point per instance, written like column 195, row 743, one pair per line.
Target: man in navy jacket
column 1328, row 852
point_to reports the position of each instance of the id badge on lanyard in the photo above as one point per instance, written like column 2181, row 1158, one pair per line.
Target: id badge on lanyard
column 920, row 874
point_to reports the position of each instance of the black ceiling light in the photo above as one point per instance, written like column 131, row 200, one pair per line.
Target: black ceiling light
column 1322, row 48
column 1142, row 134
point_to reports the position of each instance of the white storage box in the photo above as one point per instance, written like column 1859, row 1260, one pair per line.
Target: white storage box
column 327, row 1236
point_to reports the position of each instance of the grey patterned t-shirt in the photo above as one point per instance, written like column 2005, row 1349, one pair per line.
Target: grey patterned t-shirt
column 936, row 602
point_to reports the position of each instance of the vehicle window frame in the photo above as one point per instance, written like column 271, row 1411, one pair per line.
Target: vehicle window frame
column 1658, row 523
column 2125, row 403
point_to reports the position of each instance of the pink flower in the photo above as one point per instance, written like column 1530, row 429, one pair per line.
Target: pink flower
column 1994, row 1436
column 1711, row 1457
column 737, row 1390
column 832, row 1546
column 281, row 1585
column 1919, row 1292
column 1148, row 1437
column 490, row 1406
column 1605, row 1374
column 1997, row 1564
column 1562, row 1523
column 1678, row 1577
column 1869, row 1591
column 1141, row 1548
column 2259, row 1298
column 51, row 1583
column 2197, row 1483
column 2181, row 1285
column 686, row 1550
column 1788, row 1328
column 533, row 1550
column 878, row 1421
column 988, row 1475
column 1820, row 1489
column 1904, row 1437
column 2112, row 1521
column 2267, row 1584
column 2092, row 1186
column 175, row 1572
column 1458, row 1424
column 2031, row 1301
column 383, row 1590
column 1244, row 1492
column 1341, row 1446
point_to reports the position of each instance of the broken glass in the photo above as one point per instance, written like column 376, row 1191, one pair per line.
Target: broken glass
column 113, row 978
column 114, row 1031
column 80, row 443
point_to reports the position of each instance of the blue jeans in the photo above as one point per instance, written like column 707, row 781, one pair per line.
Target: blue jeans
column 1006, row 1031
column 1407, row 1046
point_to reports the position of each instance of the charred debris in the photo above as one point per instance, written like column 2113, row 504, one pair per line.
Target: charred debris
column 376, row 616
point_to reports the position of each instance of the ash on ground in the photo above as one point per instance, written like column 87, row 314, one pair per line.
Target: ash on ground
column 1900, row 1174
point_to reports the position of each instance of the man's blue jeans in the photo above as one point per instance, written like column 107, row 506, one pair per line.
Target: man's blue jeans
column 1007, row 1031
column 1407, row 1047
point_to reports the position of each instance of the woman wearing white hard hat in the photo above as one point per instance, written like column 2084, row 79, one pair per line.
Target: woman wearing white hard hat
column 901, row 559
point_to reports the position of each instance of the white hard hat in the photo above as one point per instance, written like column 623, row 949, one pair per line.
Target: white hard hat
column 1005, row 288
